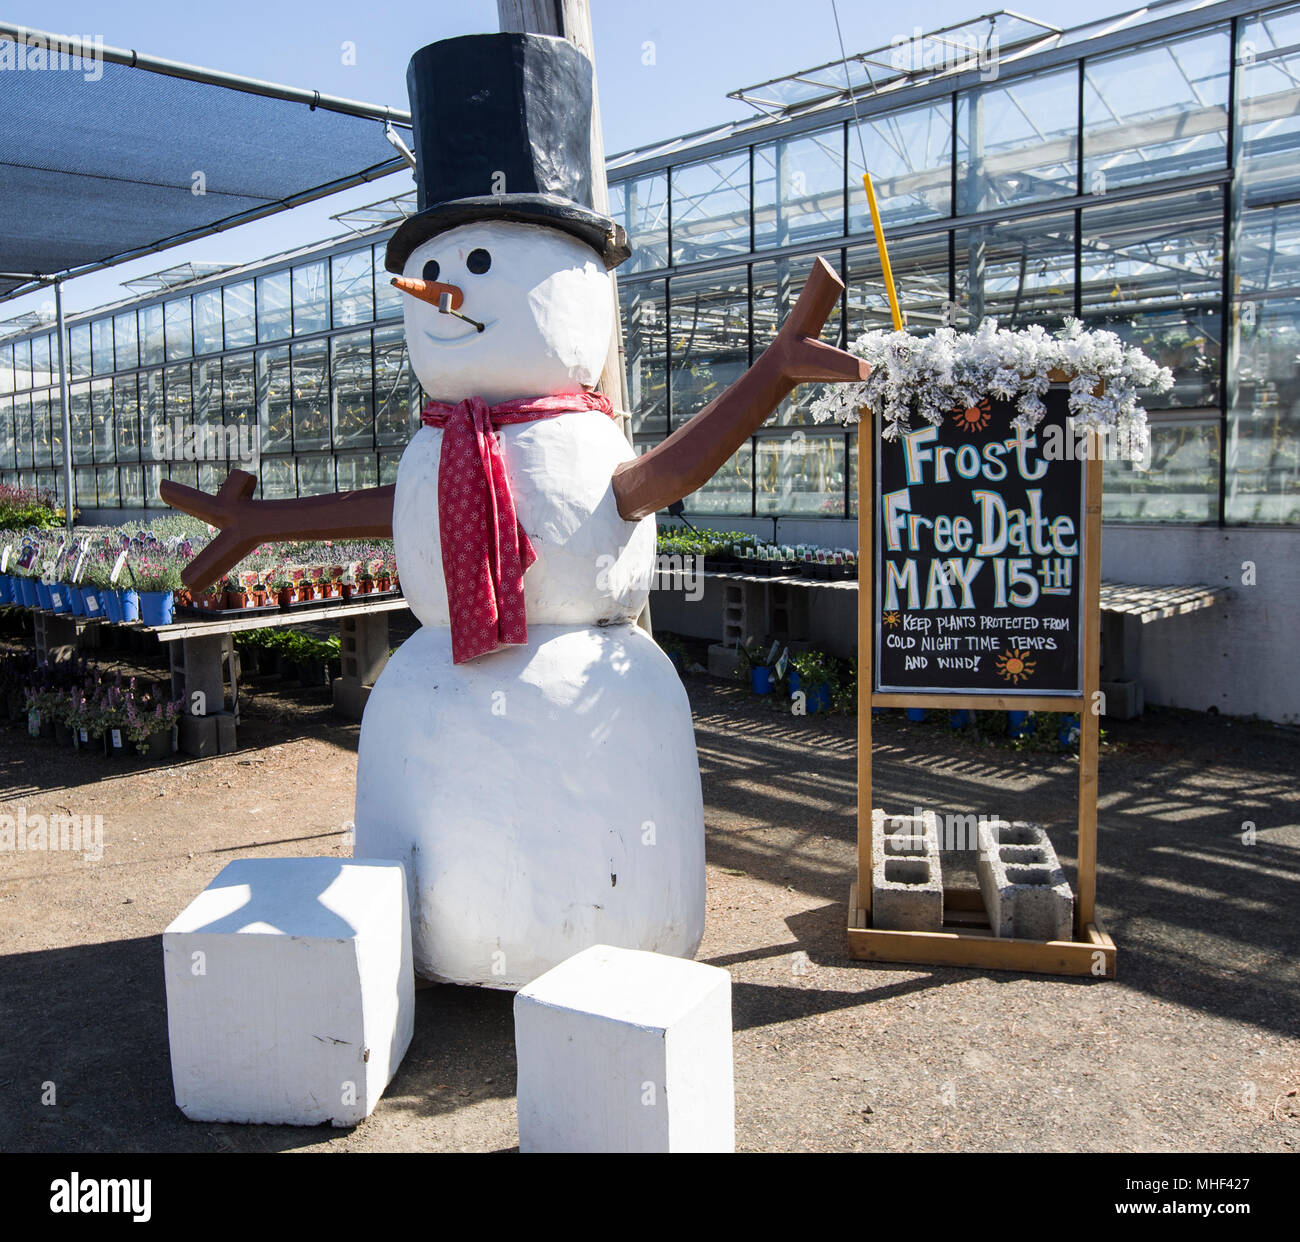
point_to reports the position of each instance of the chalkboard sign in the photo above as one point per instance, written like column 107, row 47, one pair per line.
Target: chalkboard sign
column 979, row 550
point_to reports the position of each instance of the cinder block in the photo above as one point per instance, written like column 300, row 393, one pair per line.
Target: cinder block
column 906, row 873
column 290, row 991
column 724, row 661
column 350, row 697
column 1124, row 699
column 1022, row 882
column 213, row 734
column 624, row 1051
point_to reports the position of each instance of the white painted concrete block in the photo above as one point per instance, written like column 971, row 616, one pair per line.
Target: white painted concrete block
column 625, row 1051
column 290, row 991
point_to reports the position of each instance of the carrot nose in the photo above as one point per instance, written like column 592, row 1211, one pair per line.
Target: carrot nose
column 430, row 291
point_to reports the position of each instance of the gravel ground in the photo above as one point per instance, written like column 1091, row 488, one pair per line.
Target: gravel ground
column 1193, row 1048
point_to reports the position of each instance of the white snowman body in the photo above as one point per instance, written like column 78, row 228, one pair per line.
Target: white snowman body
column 546, row 796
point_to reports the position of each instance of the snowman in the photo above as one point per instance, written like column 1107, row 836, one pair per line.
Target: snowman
column 528, row 753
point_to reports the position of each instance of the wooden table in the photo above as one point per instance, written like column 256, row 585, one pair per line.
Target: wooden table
column 205, row 666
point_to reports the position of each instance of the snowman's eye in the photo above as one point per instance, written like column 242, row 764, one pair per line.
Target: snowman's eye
column 479, row 261
column 431, row 270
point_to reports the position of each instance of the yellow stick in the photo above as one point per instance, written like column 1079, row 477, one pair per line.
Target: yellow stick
column 885, row 269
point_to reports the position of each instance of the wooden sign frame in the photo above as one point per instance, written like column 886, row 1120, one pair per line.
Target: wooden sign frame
column 966, row 938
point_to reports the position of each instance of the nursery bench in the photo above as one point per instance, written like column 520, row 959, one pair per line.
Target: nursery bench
column 1125, row 608
column 202, row 651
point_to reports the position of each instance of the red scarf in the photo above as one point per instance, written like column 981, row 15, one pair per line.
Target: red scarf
column 484, row 549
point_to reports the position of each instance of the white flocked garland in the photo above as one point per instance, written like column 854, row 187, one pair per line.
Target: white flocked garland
column 930, row 376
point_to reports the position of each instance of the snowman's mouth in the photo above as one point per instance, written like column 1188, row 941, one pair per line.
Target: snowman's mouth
column 469, row 333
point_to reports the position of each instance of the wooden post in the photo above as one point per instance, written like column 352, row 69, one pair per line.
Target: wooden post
column 1089, row 712
column 571, row 20
column 866, row 651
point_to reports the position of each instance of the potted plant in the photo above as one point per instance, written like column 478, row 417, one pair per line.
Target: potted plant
column 815, row 674
column 41, row 702
column 149, row 724
column 129, row 597
column 759, row 667
column 95, row 586
column 230, row 593
column 255, row 580
column 108, row 717
column 156, row 581
column 74, row 709
column 365, row 581
column 282, row 588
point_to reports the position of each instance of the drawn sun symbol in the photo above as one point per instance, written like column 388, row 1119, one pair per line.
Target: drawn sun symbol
column 1015, row 665
column 974, row 417
column 891, row 619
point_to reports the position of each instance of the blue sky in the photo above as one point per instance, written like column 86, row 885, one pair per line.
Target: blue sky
column 701, row 50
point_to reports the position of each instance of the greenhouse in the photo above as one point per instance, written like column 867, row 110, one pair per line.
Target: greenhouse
column 1042, row 192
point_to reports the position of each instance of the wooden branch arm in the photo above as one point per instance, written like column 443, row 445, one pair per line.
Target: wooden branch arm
column 697, row 450
column 245, row 523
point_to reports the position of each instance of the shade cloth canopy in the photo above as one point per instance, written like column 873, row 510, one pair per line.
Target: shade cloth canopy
column 113, row 156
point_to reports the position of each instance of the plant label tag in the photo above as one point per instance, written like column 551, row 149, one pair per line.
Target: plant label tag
column 117, row 566
column 117, row 739
column 33, row 723
column 81, row 561
column 4, row 558
column 83, row 735
column 92, row 602
column 57, row 599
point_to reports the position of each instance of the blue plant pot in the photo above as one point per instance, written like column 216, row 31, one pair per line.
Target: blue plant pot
column 78, row 600
column 156, row 607
column 879, row 711
column 1068, row 734
column 760, row 680
column 1020, row 724
column 112, row 603
column 816, row 700
column 94, row 601
column 43, row 599
column 6, row 589
column 31, row 597
column 130, row 605
column 916, row 714
column 960, row 719
column 61, row 597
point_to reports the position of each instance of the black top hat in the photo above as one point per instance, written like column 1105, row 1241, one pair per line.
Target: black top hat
column 502, row 128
